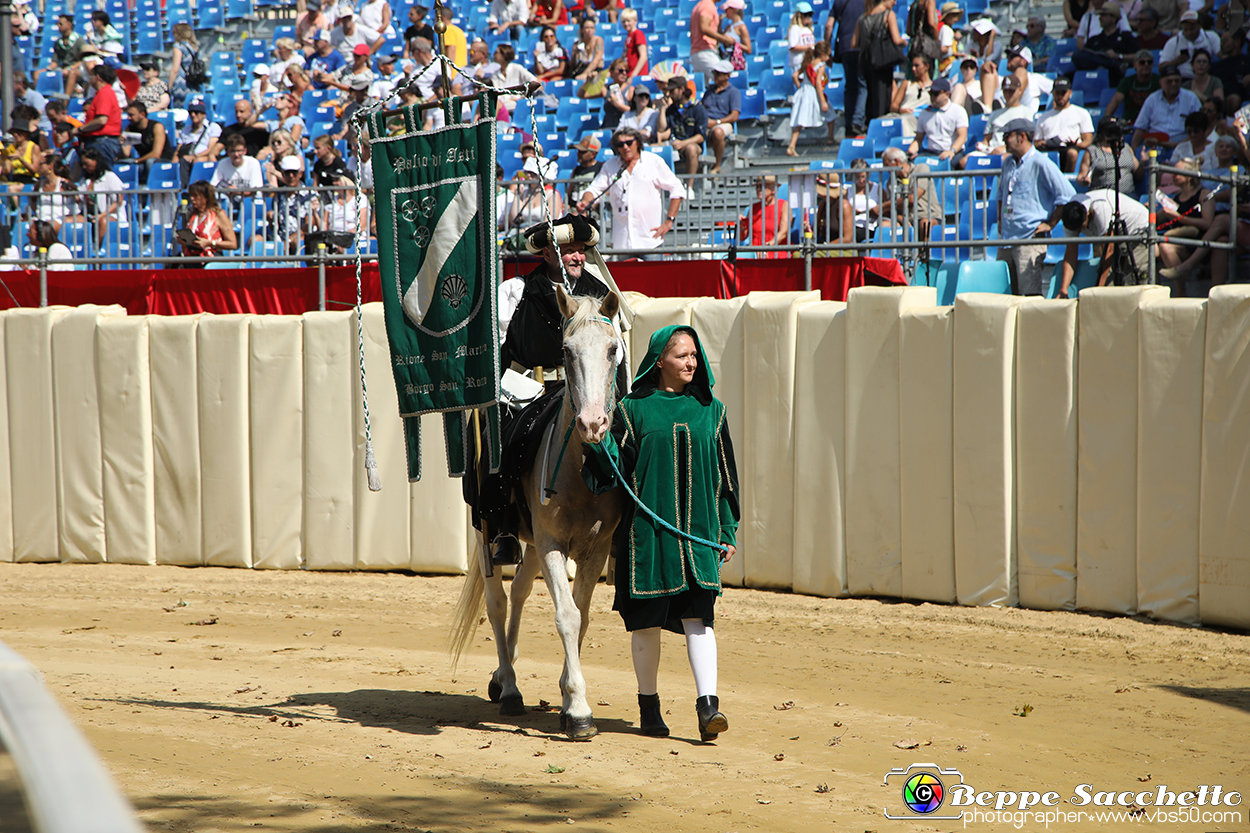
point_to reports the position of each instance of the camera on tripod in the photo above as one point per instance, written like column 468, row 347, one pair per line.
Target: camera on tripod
column 1111, row 130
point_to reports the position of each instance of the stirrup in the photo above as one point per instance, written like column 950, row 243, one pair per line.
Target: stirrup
column 506, row 550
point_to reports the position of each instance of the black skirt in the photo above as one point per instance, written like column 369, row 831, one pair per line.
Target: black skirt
column 663, row 611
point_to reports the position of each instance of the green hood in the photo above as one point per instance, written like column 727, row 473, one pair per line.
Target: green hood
column 648, row 379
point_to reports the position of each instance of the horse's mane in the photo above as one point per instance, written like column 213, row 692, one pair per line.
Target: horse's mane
column 587, row 310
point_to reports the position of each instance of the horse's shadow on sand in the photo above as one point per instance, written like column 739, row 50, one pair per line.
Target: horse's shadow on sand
column 412, row 712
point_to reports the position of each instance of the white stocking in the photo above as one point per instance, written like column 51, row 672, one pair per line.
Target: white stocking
column 646, row 650
column 701, row 648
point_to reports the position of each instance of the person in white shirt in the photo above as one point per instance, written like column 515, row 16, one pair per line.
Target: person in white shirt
column 1066, row 127
column 632, row 182
column 1199, row 144
column 288, row 55
column 508, row 14
column 1091, row 214
column 110, row 199
column 1019, row 61
column 942, row 127
column 995, row 143
column 386, row 80
column 238, row 175
column 42, row 235
column 349, row 34
column 1179, row 50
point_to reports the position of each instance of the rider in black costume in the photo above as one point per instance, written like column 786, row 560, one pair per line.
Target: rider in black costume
column 534, row 339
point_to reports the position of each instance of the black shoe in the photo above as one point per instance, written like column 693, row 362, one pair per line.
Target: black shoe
column 651, row 721
column 507, row 550
column 711, row 721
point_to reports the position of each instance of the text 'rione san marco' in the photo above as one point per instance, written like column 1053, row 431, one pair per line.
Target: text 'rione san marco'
column 434, row 160
column 461, row 351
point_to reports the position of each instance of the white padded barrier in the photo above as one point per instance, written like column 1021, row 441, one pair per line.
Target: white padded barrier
column 330, row 439
column 767, row 472
column 32, row 439
column 719, row 324
column 1224, row 555
column 79, row 477
column 926, row 476
column 984, row 448
column 650, row 314
column 173, row 359
column 276, row 384
column 820, row 440
column 1171, row 343
column 873, row 520
column 1106, row 531
column 1046, row 453
column 440, row 524
column 225, row 449
column 381, row 518
column 122, row 348
column 6, row 486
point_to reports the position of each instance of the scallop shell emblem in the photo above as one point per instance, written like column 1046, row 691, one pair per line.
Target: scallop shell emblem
column 455, row 290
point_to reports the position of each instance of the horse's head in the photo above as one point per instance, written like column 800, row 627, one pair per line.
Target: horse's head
column 590, row 358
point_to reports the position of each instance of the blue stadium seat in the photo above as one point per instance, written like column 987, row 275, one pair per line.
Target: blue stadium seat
column 1060, row 63
column 882, row 130
column 777, row 86
column 240, row 10
column 983, row 276
column 50, row 82
column 757, row 65
column 128, row 173
column 1090, row 82
column 976, row 129
column 945, row 234
column 211, row 15
column 779, row 54
column 202, row 171
column 939, row 274
column 149, row 39
column 752, row 106
column 835, row 93
column 852, row 149
column 164, row 176
column 287, row 30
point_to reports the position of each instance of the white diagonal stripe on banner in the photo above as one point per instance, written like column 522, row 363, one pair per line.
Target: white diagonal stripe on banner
column 450, row 228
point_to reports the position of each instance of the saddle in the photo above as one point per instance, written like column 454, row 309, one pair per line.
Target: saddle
column 521, row 436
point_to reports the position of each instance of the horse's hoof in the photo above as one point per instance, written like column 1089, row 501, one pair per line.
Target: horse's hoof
column 494, row 691
column 579, row 728
column 513, row 705
column 564, row 721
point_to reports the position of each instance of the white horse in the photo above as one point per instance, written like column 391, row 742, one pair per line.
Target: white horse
column 573, row 524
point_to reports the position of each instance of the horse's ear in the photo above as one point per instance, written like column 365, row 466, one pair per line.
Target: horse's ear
column 566, row 304
column 610, row 306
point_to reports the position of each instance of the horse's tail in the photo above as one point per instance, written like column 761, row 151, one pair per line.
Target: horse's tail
column 469, row 609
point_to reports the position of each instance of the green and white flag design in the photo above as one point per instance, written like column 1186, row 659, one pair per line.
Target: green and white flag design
column 435, row 204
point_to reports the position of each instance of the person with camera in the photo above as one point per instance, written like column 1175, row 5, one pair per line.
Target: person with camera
column 1066, row 127
column 1099, row 164
column 1092, row 214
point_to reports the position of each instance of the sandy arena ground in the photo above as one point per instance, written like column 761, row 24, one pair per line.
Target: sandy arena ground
column 230, row 700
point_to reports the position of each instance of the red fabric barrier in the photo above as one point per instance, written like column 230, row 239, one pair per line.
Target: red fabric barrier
column 294, row 291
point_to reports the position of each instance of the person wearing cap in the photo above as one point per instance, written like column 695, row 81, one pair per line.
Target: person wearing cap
column 587, row 168
column 419, row 28
column 358, row 70
column 246, row 124
column 1065, row 127
column 1180, row 48
column 1018, row 62
column 198, row 138
column 326, row 60
column 1031, row 194
column 1091, row 22
column 733, row 23
column 1110, row 48
column 942, row 127
column 767, row 221
column 102, row 129
column 531, row 331
column 633, row 181
column 682, row 123
column 723, row 104
column 263, row 88
column 385, row 80
column 153, row 92
column 1091, row 214
column 357, row 97
column 984, row 44
column 948, row 37
column 642, row 117
column 1013, row 108
column 349, row 34
column 845, row 14
column 22, row 159
column 1161, row 122
column 705, row 34
column 800, row 36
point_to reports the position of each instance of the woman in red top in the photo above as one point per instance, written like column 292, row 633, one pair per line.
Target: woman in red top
column 635, row 45
column 208, row 222
column 769, row 222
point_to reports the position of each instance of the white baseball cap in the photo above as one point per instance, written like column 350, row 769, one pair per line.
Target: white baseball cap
column 289, row 163
column 260, row 69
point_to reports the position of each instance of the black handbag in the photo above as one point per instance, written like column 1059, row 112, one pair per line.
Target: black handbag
column 882, row 52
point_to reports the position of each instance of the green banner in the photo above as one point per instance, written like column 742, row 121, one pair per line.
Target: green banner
column 435, row 207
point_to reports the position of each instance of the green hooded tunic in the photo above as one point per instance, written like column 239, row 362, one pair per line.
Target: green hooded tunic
column 674, row 450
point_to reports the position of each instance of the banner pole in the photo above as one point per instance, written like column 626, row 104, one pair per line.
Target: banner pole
column 321, row 277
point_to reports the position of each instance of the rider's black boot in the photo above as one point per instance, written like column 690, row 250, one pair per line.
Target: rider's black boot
column 505, row 550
